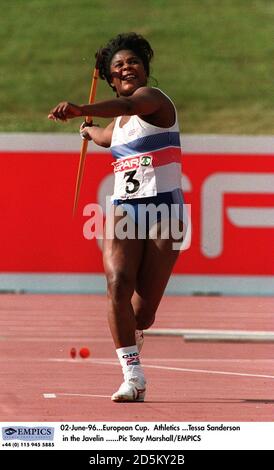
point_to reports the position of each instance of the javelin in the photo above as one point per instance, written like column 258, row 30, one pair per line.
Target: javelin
column 84, row 148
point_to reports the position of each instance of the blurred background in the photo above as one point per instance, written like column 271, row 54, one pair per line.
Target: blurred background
column 214, row 58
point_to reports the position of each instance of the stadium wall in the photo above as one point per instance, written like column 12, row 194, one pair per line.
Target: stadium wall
column 227, row 180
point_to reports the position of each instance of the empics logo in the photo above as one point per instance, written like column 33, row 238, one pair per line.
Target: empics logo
column 25, row 433
column 10, row 431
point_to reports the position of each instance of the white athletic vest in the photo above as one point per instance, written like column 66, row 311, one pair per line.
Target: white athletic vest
column 148, row 158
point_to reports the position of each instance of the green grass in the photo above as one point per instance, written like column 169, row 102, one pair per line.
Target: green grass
column 213, row 57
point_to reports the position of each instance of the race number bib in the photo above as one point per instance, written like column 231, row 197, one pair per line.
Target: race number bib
column 134, row 178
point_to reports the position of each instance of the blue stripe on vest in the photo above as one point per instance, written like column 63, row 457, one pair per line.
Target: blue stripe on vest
column 147, row 144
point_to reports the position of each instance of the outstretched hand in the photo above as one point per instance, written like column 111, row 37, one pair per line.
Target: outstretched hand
column 64, row 111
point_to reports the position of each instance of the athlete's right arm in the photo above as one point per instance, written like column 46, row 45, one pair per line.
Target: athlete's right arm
column 101, row 136
column 144, row 101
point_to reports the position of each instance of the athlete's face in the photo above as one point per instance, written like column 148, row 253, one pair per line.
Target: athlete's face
column 127, row 72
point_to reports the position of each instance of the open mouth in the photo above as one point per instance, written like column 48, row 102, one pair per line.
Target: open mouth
column 129, row 77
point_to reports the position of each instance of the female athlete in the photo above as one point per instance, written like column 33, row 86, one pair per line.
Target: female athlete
column 144, row 139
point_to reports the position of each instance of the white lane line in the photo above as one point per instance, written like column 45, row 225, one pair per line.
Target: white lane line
column 179, row 369
column 198, row 371
column 188, row 359
column 56, row 395
column 202, row 371
column 83, row 361
column 83, row 395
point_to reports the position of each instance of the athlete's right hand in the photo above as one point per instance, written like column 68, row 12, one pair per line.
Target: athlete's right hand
column 84, row 130
column 64, row 111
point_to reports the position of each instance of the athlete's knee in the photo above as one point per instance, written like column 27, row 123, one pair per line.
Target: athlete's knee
column 144, row 319
column 148, row 322
column 120, row 286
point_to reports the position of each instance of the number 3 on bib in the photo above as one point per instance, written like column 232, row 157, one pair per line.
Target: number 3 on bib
column 137, row 182
column 132, row 184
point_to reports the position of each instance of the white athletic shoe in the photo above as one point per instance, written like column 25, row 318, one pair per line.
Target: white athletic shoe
column 131, row 390
column 139, row 338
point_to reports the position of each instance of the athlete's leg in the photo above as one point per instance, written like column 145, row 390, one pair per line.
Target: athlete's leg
column 122, row 259
column 158, row 260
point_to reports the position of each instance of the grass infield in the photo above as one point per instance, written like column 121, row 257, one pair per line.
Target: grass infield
column 213, row 57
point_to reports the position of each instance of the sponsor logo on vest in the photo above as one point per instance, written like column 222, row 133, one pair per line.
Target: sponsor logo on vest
column 146, row 160
column 126, row 164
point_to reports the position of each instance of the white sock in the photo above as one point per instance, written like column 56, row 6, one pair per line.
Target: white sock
column 130, row 361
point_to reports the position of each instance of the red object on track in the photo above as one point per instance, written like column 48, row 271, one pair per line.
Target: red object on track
column 73, row 353
column 84, row 353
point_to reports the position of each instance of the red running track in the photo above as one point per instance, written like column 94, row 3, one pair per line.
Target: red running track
column 186, row 381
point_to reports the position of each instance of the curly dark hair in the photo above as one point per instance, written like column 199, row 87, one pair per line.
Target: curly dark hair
column 131, row 41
